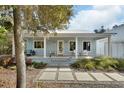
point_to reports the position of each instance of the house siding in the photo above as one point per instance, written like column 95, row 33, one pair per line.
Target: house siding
column 51, row 45
column 117, row 42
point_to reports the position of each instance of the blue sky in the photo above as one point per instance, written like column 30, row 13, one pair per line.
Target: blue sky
column 78, row 8
column 87, row 17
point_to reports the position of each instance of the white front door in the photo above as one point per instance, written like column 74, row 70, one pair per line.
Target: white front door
column 60, row 47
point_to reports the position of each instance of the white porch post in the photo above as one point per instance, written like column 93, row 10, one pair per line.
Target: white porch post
column 44, row 47
column 76, row 51
column 109, row 46
column 13, row 47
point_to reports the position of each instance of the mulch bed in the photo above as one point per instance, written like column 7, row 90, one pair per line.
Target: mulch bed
column 8, row 78
column 79, row 85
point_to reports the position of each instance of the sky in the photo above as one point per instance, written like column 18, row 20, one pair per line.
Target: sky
column 90, row 17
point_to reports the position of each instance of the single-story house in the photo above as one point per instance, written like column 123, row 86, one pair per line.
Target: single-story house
column 117, row 43
column 65, row 44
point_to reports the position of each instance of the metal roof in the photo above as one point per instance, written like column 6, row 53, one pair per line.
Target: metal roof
column 85, row 35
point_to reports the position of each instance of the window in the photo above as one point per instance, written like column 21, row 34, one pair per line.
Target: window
column 86, row 46
column 38, row 44
column 72, row 45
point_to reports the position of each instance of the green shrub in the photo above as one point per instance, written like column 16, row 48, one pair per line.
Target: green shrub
column 39, row 65
column 84, row 64
column 100, row 63
column 107, row 63
column 89, row 65
column 120, row 66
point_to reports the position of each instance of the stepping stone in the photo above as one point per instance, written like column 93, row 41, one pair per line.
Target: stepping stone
column 48, row 76
column 116, row 76
column 64, row 69
column 82, row 76
column 65, row 76
column 50, row 69
column 101, row 77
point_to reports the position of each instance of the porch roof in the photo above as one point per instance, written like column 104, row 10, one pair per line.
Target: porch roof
column 95, row 36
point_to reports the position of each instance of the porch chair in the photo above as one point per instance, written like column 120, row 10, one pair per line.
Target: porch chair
column 52, row 54
column 30, row 52
column 84, row 53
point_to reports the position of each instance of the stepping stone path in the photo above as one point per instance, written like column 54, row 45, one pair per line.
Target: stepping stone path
column 65, row 69
column 101, row 77
column 48, row 76
column 50, row 69
column 116, row 76
column 83, row 76
column 67, row 74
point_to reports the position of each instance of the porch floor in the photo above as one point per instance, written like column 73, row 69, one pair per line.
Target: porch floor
column 40, row 56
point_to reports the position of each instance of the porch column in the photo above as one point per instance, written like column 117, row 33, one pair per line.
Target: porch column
column 13, row 47
column 44, row 47
column 76, row 51
column 109, row 46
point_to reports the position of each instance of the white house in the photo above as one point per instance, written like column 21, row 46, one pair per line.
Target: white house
column 66, row 44
column 117, row 40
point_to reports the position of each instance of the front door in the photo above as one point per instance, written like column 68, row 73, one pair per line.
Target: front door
column 60, row 47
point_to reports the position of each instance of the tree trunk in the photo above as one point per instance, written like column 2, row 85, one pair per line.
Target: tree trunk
column 19, row 49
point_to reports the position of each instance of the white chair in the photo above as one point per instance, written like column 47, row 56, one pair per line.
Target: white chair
column 85, row 53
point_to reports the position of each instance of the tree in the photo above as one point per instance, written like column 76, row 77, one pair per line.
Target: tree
column 101, row 30
column 5, row 27
column 19, row 48
column 2, row 38
column 33, row 17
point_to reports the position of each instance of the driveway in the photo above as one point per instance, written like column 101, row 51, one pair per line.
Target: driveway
column 67, row 75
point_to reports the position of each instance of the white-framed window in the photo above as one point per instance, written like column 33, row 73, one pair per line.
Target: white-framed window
column 87, row 45
column 38, row 44
column 72, row 45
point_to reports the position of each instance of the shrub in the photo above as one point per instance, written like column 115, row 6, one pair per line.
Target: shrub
column 89, row 65
column 84, row 64
column 39, row 65
column 5, row 61
column 107, row 63
column 120, row 66
column 100, row 63
column 12, row 67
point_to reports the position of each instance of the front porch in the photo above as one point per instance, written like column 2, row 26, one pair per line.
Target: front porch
column 70, row 45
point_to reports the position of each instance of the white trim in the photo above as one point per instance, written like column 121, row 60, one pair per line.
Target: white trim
column 58, row 47
column 109, row 46
column 69, row 45
column 44, row 47
column 37, row 48
column 76, row 50
column 90, row 44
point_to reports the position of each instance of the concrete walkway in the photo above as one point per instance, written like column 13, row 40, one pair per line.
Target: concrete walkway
column 67, row 74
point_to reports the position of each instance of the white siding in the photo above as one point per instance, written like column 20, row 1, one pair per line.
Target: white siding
column 117, row 44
